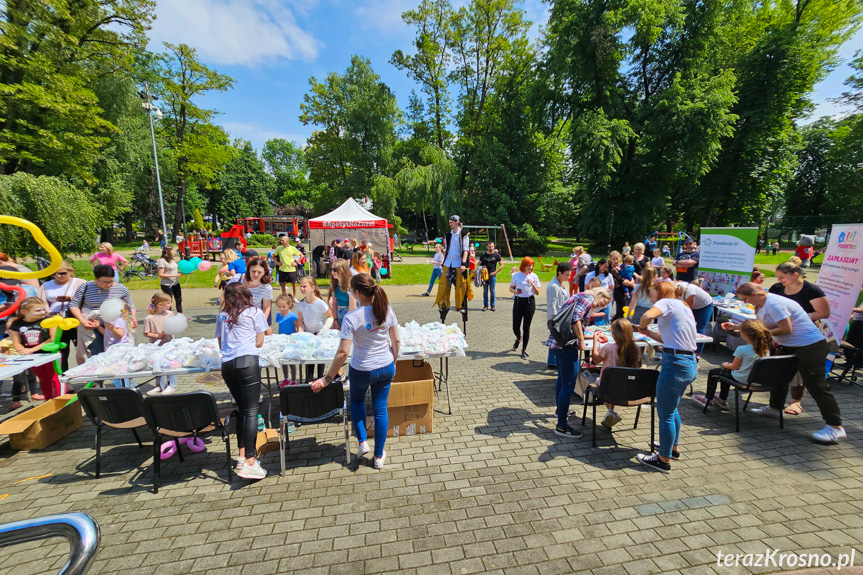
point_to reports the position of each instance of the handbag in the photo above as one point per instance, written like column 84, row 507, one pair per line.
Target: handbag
column 560, row 326
column 586, row 377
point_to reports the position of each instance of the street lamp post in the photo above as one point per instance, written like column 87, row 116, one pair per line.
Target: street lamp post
column 149, row 107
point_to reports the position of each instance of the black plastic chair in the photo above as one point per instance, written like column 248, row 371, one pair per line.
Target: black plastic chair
column 117, row 408
column 848, row 358
column 624, row 386
column 768, row 374
column 298, row 403
column 183, row 415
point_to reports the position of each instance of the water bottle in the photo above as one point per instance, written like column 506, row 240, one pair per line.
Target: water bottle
column 290, row 427
column 261, row 425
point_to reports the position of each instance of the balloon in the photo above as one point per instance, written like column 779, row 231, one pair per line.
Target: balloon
column 175, row 325
column 2, row 298
column 476, row 245
column 383, row 271
column 111, row 309
column 626, row 311
column 196, row 260
column 30, row 291
column 204, row 265
column 187, row 267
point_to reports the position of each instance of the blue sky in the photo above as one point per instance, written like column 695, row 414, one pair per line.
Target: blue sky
column 272, row 47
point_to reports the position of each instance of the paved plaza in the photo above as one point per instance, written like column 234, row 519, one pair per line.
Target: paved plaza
column 491, row 490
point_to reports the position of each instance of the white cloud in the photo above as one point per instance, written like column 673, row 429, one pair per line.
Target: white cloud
column 236, row 32
column 384, row 16
column 258, row 135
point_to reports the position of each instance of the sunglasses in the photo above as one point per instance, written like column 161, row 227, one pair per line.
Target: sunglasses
column 61, row 273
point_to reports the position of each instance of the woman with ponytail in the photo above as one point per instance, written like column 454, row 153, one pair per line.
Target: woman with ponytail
column 372, row 328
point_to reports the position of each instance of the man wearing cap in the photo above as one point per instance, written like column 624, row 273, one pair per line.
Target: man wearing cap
column 687, row 261
column 347, row 250
column 455, row 270
column 285, row 255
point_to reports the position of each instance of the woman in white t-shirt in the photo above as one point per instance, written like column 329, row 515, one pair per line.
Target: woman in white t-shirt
column 169, row 273
column 677, row 335
column 796, row 335
column 525, row 286
column 240, row 329
column 372, row 328
column 57, row 293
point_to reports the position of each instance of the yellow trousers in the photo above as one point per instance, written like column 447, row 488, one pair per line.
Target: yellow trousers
column 462, row 286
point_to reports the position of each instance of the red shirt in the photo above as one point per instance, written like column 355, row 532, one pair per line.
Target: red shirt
column 804, row 252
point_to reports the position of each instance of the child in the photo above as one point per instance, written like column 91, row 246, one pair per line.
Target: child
column 666, row 273
column 28, row 337
column 314, row 315
column 598, row 315
column 758, row 341
column 657, row 260
column 377, row 262
column 287, row 320
column 114, row 333
column 622, row 352
column 154, row 328
column 22, row 379
column 145, row 246
column 240, row 329
column 627, row 272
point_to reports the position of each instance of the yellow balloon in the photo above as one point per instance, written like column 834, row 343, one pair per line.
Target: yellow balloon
column 56, row 258
column 64, row 323
column 625, row 311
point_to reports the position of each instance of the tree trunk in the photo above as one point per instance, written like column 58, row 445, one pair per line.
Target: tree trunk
column 130, row 231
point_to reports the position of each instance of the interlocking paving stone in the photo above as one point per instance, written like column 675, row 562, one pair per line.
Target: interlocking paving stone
column 491, row 489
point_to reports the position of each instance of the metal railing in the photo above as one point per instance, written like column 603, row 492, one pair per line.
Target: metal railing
column 79, row 529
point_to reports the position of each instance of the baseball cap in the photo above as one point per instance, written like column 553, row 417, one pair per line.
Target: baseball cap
column 250, row 254
column 454, row 218
column 297, row 240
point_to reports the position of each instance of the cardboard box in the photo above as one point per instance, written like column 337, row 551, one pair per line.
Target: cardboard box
column 411, row 401
column 41, row 426
column 267, row 441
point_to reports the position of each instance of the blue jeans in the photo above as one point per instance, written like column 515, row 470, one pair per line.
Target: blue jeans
column 436, row 273
column 567, row 371
column 702, row 317
column 675, row 375
column 552, row 359
column 379, row 380
column 489, row 286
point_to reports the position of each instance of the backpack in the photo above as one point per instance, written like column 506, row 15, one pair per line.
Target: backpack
column 560, row 326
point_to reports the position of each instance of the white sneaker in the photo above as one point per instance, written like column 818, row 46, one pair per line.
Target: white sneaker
column 829, row 434
column 766, row 410
column 240, row 462
column 379, row 461
column 169, row 390
column 252, row 471
column 363, row 448
column 154, row 391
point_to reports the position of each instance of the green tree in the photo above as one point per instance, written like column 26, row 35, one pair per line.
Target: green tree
column 51, row 52
column 430, row 67
column 66, row 215
column 286, row 161
column 199, row 149
column 244, row 187
column 357, row 116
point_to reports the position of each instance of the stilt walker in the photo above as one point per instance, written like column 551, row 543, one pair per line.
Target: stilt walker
column 455, row 272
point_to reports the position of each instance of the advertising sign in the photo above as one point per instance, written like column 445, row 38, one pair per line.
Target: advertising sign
column 841, row 276
column 727, row 256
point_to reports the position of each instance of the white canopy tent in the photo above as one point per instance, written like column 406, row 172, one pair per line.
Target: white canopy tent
column 351, row 220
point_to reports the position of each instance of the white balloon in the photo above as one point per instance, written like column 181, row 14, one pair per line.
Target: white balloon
column 175, row 325
column 111, row 309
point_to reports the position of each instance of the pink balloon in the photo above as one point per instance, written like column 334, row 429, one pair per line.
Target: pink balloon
column 204, row 266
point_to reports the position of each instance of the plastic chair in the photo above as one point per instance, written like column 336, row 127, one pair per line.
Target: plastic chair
column 624, row 386
column 183, row 415
column 851, row 359
column 117, row 408
column 768, row 374
column 298, row 403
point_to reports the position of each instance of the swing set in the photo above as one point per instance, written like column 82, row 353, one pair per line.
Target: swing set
column 676, row 238
column 485, row 234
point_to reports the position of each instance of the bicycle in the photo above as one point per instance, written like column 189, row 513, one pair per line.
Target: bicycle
column 141, row 267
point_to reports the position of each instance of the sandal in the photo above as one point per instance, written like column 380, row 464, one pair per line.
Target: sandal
column 794, row 409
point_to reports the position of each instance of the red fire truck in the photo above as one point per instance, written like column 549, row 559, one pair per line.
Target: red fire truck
column 276, row 225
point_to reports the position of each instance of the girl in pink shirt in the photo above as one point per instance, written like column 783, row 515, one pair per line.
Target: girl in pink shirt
column 106, row 255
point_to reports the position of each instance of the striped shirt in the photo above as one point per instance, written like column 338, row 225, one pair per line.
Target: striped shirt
column 583, row 302
column 96, row 296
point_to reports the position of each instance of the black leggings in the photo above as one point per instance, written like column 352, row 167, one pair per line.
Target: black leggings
column 712, row 380
column 70, row 338
column 619, row 295
column 243, row 378
column 522, row 315
column 175, row 292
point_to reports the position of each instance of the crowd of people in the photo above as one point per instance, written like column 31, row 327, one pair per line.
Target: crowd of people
column 626, row 291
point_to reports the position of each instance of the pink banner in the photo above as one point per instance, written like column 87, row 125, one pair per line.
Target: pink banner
column 841, row 275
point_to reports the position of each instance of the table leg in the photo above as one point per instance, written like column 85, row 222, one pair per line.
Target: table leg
column 268, row 380
column 445, row 374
